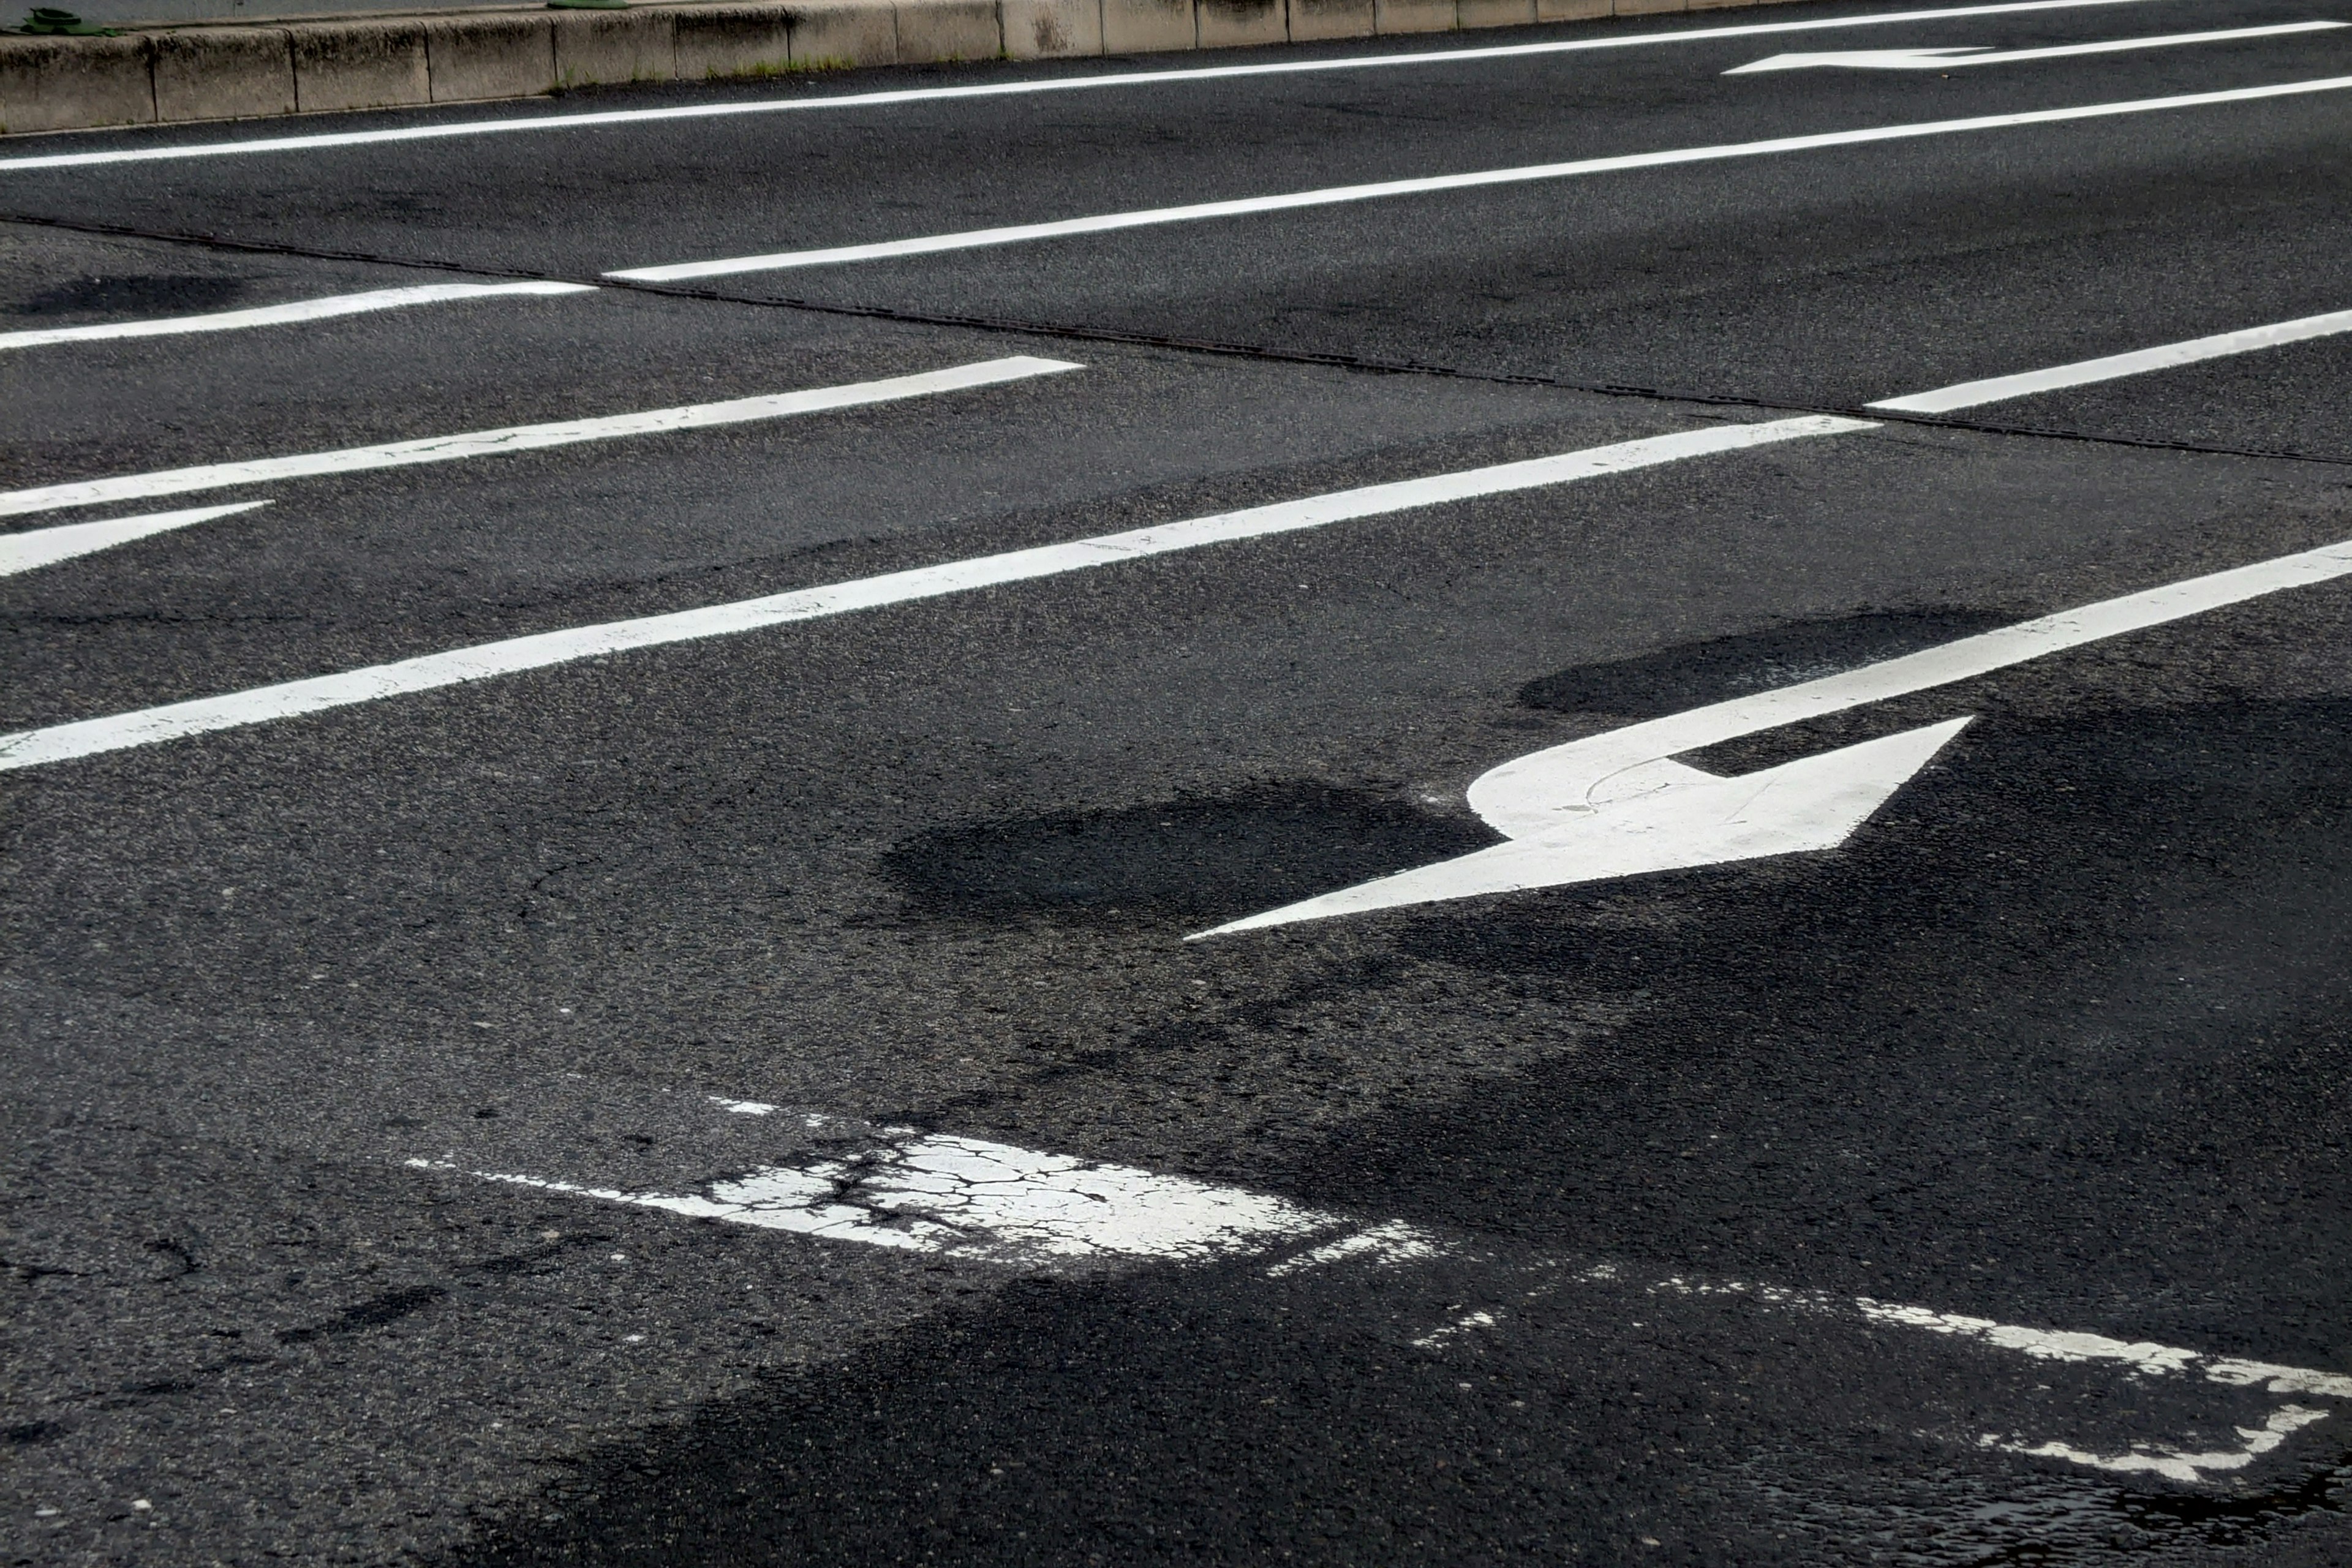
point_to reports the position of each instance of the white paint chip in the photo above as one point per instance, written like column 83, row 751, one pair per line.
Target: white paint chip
column 318, row 309
column 531, row 438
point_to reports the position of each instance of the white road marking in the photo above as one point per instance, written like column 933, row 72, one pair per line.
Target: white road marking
column 1996, row 389
column 1616, row 805
column 968, row 1197
column 2172, row 1463
column 47, row 546
column 1945, row 59
column 1335, row 195
column 318, row 310
column 30, row 748
column 1012, row 88
column 531, row 438
column 999, row 1204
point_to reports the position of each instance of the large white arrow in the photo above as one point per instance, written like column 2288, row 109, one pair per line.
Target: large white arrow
column 1985, row 55
column 1618, row 805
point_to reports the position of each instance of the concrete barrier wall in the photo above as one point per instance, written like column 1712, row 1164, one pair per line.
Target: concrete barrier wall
column 234, row 72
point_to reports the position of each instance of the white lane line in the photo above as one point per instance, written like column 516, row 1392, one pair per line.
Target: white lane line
column 1996, row 389
column 1616, row 805
column 47, row 546
column 1015, row 89
column 1335, row 195
column 1985, row 55
column 971, row 1198
column 30, row 748
column 530, row 438
column 318, row 310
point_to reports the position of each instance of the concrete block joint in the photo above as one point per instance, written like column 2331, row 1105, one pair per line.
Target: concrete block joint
column 235, row 72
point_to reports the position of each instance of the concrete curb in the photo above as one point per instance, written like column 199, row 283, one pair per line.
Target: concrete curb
column 236, row 72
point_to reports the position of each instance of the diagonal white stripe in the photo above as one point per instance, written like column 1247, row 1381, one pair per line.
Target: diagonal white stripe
column 1011, row 88
column 1148, row 217
column 528, row 437
column 47, row 546
column 1995, row 389
column 30, row 748
column 318, row 310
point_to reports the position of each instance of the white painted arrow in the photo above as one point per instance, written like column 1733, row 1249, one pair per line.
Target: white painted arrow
column 1985, row 55
column 1616, row 805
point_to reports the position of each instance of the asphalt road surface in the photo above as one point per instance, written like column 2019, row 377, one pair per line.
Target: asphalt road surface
column 600, row 872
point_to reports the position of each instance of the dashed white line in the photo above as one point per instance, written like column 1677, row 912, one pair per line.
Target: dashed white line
column 319, row 309
column 1980, row 55
column 1011, row 90
column 149, row 726
column 1999, row 388
column 1150, row 217
column 47, row 546
column 530, row 438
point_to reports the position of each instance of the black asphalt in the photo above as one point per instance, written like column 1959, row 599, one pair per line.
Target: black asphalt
column 2055, row 1041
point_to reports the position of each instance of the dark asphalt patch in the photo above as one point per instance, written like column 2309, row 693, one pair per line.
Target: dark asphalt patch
column 138, row 294
column 1691, row 675
column 1188, row 858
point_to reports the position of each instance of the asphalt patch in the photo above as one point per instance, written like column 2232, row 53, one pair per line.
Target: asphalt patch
column 1190, row 858
column 138, row 294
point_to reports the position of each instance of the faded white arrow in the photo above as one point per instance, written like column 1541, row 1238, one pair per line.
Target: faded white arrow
column 1617, row 804
column 1985, row 55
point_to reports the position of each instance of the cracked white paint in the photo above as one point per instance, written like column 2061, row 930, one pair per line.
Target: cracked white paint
column 2044, row 1344
column 2174, row 1464
column 1389, row 1246
column 969, row 1198
column 947, row 1195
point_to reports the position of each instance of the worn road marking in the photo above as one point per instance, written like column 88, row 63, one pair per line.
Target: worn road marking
column 975, row 1199
column 1335, row 195
column 47, row 546
column 969, row 1197
column 318, row 310
column 1995, row 389
column 1014, row 89
column 144, row 726
column 530, row 438
column 1616, row 805
column 1985, row 55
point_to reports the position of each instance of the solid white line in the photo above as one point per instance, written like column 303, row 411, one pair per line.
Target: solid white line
column 145, row 726
column 318, row 310
column 530, row 438
column 1969, row 394
column 1981, row 55
column 47, row 546
column 1014, row 89
column 974, row 239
